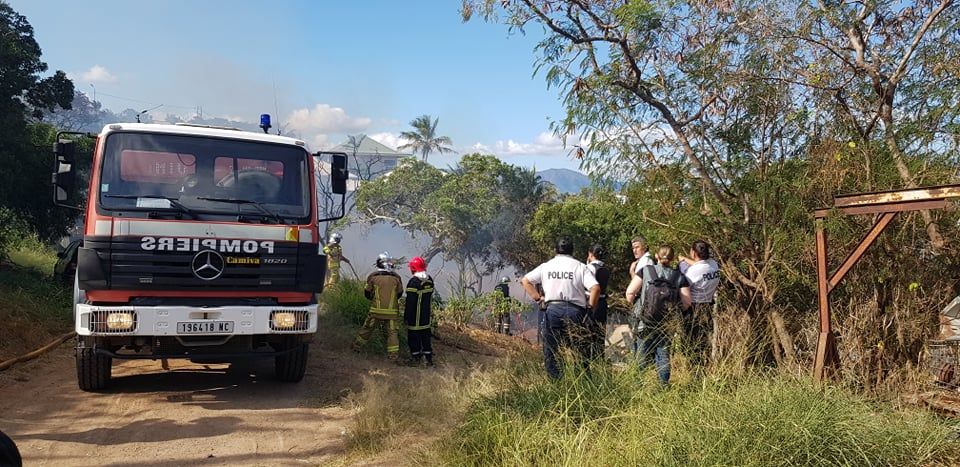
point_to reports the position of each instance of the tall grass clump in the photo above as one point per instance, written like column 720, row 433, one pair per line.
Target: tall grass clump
column 346, row 300
column 392, row 412
column 620, row 418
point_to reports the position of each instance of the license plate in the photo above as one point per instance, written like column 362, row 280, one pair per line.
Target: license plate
column 205, row 327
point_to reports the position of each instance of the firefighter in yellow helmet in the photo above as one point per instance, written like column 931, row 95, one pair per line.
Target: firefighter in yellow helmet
column 384, row 288
column 334, row 253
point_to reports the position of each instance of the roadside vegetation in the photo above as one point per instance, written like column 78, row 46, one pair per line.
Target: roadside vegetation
column 34, row 308
column 613, row 417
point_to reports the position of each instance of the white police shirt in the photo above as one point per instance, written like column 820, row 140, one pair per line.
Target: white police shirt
column 704, row 277
column 644, row 261
column 563, row 278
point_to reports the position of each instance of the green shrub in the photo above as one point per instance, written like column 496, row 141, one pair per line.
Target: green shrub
column 13, row 231
column 346, row 299
column 619, row 418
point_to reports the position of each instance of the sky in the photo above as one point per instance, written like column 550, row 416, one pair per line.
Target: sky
column 323, row 69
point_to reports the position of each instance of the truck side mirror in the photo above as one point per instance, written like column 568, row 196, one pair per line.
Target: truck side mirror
column 64, row 177
column 339, row 174
column 65, row 150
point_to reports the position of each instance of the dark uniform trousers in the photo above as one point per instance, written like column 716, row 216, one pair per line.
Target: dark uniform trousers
column 596, row 323
column 416, row 314
column 698, row 327
column 562, row 328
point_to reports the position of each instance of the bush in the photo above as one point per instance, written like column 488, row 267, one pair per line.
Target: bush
column 346, row 300
column 13, row 231
column 610, row 418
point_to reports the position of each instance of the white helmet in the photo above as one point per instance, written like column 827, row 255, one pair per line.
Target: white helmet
column 504, row 280
column 335, row 238
column 384, row 261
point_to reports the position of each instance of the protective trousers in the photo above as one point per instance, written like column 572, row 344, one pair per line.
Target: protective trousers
column 503, row 323
column 562, row 328
column 420, row 346
column 333, row 274
column 392, row 329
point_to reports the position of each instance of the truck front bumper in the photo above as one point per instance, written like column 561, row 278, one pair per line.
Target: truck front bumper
column 100, row 320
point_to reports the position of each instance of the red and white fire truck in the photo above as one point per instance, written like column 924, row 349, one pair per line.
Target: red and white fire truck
column 200, row 243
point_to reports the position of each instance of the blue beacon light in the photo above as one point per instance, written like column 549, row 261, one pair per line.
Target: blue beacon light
column 265, row 122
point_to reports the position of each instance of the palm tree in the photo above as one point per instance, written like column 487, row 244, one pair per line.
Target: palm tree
column 424, row 139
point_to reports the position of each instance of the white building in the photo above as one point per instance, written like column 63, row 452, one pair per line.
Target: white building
column 368, row 158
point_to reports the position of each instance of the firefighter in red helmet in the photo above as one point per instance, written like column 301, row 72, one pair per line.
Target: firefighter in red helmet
column 416, row 313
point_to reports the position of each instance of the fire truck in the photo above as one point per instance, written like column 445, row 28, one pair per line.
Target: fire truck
column 199, row 242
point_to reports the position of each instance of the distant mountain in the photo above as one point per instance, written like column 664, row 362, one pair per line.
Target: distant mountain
column 566, row 180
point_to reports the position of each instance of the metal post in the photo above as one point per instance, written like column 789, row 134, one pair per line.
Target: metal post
column 826, row 343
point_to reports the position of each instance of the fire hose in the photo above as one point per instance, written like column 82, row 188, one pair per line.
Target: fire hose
column 36, row 353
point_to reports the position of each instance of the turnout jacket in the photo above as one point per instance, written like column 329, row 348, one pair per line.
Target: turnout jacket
column 383, row 290
column 416, row 312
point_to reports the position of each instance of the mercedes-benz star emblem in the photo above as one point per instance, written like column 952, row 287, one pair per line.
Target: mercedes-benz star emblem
column 207, row 265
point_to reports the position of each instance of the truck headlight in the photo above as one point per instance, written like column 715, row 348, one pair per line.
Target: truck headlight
column 284, row 320
column 118, row 321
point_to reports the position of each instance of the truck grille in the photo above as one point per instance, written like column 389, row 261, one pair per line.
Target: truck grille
column 128, row 266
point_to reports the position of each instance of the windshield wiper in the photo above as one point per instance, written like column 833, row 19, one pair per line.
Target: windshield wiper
column 260, row 207
column 174, row 202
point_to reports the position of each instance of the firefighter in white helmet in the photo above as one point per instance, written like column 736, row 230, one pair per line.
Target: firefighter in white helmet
column 334, row 253
column 383, row 289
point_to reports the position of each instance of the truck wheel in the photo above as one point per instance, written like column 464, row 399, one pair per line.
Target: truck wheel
column 290, row 367
column 93, row 370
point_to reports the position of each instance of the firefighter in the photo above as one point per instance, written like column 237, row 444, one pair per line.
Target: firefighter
column 384, row 288
column 416, row 312
column 564, row 280
column 334, row 253
column 503, row 315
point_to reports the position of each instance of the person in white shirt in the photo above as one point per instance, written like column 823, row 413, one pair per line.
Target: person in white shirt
column 643, row 259
column 703, row 273
column 564, row 280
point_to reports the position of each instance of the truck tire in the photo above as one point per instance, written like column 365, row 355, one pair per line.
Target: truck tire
column 290, row 367
column 93, row 370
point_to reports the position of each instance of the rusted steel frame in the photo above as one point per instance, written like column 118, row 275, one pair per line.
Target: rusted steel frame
column 898, row 196
column 825, row 359
column 858, row 252
column 897, row 206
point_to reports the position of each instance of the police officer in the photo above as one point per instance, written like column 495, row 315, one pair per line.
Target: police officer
column 564, row 280
column 703, row 273
column 334, row 253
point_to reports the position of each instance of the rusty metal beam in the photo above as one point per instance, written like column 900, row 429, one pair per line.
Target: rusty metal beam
column 861, row 248
column 825, row 361
column 898, row 196
column 899, row 206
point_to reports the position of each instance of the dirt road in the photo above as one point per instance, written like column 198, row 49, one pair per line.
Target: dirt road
column 218, row 414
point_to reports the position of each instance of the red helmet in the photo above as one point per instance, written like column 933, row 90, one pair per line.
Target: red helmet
column 417, row 264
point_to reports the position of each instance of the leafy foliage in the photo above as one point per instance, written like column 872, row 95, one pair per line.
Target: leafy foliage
column 25, row 157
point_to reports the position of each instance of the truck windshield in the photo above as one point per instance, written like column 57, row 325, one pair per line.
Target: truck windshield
column 156, row 173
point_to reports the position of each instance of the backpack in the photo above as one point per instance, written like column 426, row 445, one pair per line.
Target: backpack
column 660, row 295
